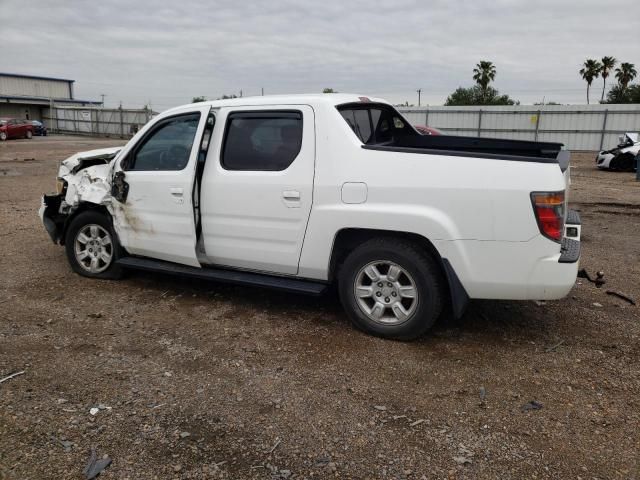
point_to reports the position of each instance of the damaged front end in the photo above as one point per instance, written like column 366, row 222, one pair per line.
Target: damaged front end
column 83, row 178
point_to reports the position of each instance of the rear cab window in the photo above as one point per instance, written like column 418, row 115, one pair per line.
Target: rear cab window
column 261, row 140
column 375, row 124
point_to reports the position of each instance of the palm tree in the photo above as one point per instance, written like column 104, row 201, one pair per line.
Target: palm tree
column 589, row 72
column 607, row 65
column 483, row 74
column 625, row 73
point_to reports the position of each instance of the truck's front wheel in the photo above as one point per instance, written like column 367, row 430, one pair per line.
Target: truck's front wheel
column 391, row 289
column 91, row 246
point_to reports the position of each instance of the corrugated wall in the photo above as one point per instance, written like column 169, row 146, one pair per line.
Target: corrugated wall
column 34, row 87
column 579, row 127
column 108, row 122
column 17, row 110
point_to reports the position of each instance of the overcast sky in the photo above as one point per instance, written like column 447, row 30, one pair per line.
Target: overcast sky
column 137, row 51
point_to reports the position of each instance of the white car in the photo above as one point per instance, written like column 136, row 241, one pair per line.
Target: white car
column 299, row 192
column 623, row 157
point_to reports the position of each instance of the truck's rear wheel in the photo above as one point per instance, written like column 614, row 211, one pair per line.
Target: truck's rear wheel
column 92, row 247
column 391, row 289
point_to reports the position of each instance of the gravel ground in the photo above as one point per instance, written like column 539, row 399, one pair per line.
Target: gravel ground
column 199, row 380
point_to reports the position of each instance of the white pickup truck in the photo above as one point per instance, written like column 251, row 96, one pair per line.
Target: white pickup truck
column 299, row 192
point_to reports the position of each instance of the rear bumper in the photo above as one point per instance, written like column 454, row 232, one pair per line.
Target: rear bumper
column 570, row 252
column 538, row 269
column 553, row 278
column 570, row 249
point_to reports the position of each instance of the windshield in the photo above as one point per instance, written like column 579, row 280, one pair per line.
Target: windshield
column 374, row 123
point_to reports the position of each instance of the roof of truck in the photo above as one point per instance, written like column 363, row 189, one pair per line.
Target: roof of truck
column 300, row 99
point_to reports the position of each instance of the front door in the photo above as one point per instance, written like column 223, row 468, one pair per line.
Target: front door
column 153, row 189
column 257, row 187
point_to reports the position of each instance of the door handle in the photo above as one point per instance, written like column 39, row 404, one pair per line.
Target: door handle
column 291, row 195
column 176, row 191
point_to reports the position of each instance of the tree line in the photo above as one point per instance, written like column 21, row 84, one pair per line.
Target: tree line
column 482, row 93
column 485, row 72
column 625, row 74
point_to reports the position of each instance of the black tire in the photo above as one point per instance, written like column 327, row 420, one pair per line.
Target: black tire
column 4, row 136
column 622, row 163
column 105, row 270
column 626, row 162
column 422, row 270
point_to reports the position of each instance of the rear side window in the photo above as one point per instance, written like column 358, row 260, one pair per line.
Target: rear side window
column 359, row 122
column 374, row 124
column 262, row 141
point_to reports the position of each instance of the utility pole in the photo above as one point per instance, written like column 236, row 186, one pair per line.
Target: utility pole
column 419, row 93
column 102, row 95
column 240, row 93
column 262, row 90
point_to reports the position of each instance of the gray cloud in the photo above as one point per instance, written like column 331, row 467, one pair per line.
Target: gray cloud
column 168, row 52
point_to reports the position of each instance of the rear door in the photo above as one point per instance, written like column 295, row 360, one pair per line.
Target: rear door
column 153, row 189
column 257, row 187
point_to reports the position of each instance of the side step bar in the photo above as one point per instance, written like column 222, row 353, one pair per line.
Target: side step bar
column 235, row 277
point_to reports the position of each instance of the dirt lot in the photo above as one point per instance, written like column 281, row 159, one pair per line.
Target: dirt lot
column 197, row 380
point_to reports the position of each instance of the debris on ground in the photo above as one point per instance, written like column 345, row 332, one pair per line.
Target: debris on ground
column 554, row 346
column 597, row 304
column 532, row 405
column 95, row 466
column 275, row 446
column 621, row 295
column 380, row 408
column 13, row 375
column 66, row 444
column 598, row 281
column 461, row 460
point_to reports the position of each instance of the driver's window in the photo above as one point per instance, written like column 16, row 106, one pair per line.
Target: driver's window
column 168, row 147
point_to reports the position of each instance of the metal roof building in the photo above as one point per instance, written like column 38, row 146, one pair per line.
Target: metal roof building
column 25, row 96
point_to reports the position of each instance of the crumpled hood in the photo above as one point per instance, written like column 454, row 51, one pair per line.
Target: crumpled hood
column 87, row 176
column 81, row 160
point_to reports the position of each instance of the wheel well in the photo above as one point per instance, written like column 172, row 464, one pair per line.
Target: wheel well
column 82, row 207
column 349, row 238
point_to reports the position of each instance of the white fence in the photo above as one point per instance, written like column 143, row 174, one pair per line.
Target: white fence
column 578, row 127
column 108, row 122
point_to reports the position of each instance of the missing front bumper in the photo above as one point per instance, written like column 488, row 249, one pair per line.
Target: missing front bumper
column 52, row 219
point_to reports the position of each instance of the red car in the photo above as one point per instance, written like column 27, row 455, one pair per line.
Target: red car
column 15, row 128
column 424, row 130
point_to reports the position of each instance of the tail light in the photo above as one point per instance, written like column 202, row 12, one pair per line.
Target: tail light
column 549, row 211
